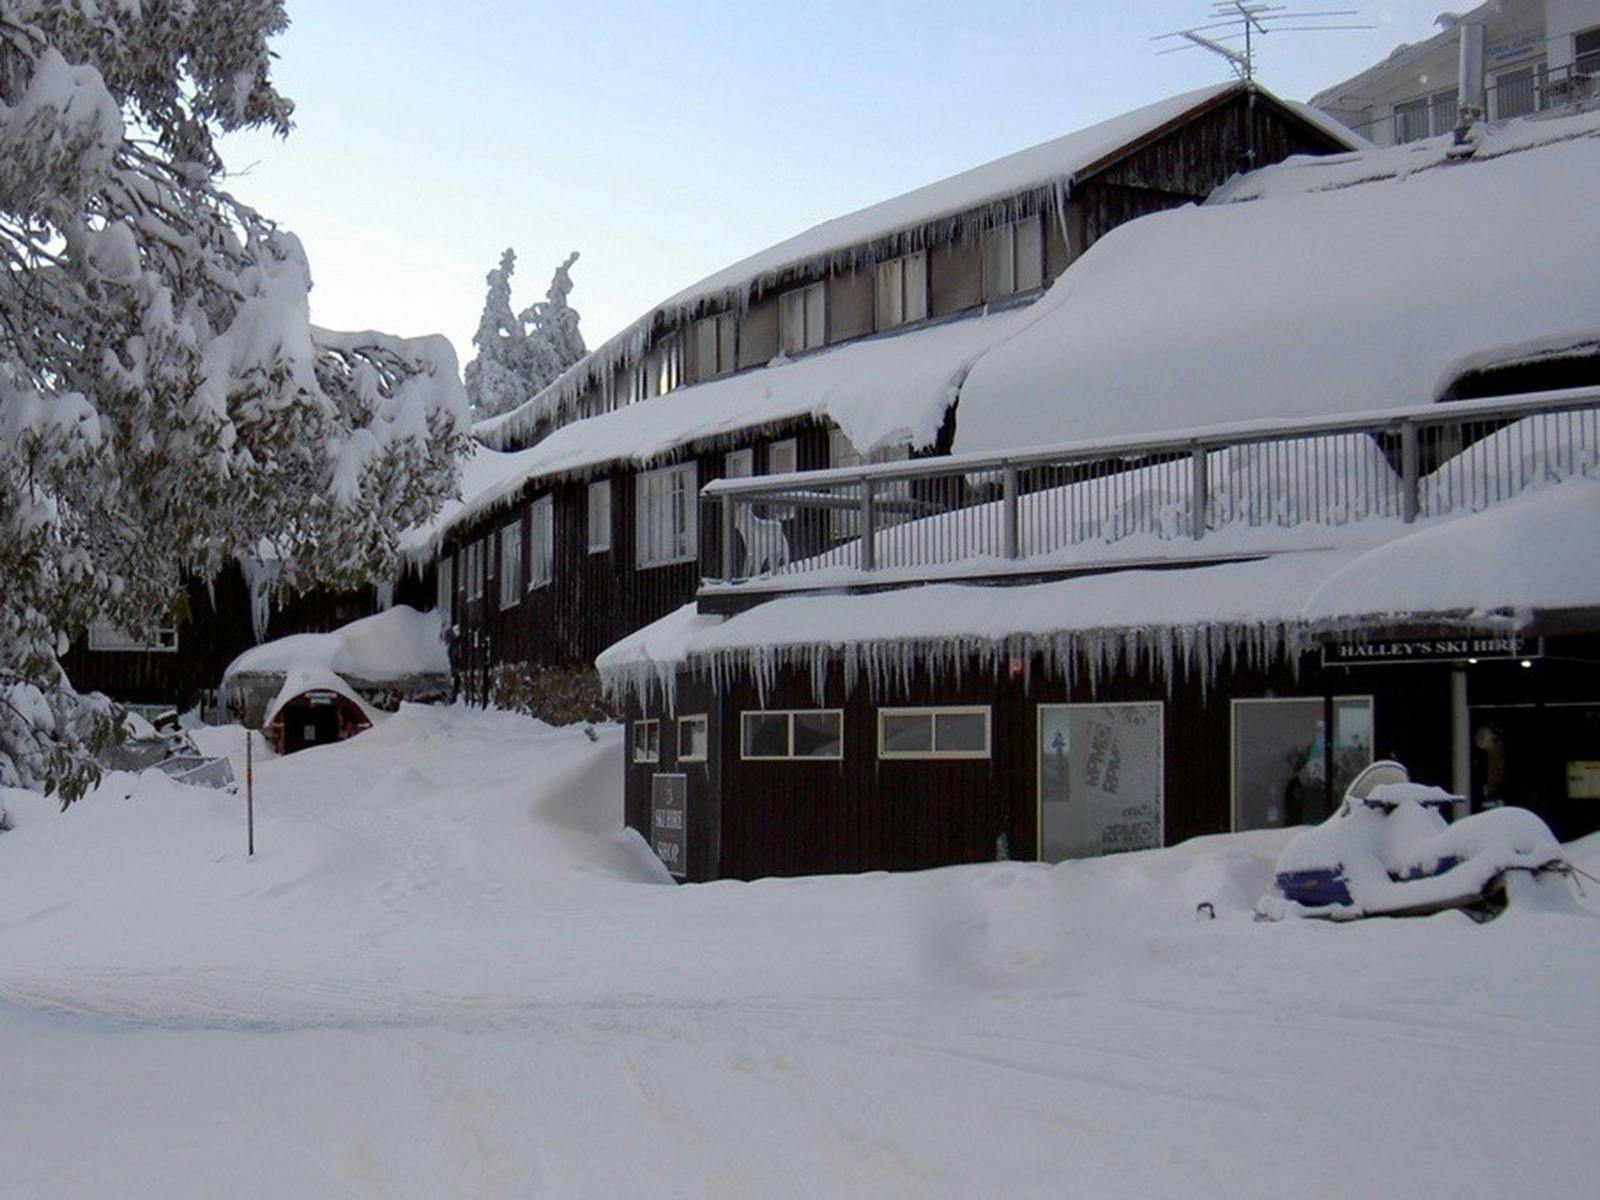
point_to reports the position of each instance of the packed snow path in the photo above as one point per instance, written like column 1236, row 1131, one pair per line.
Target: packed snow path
column 445, row 973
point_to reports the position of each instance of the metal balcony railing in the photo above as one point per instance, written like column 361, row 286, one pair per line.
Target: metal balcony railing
column 1244, row 488
column 1514, row 94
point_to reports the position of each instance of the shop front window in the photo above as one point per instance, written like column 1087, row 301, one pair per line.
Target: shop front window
column 1280, row 758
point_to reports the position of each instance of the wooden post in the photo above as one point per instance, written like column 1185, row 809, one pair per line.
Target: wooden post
column 869, row 527
column 250, row 791
column 1198, row 488
column 1010, row 542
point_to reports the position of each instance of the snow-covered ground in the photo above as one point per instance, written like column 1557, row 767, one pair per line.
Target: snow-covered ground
column 447, row 973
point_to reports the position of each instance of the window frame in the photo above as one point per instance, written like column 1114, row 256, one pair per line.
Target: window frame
column 719, row 334
column 542, row 542
column 1006, row 241
column 634, row 746
column 476, row 569
column 510, row 564
column 745, row 456
column 904, row 288
column 1586, row 62
column 801, row 297
column 1234, row 705
column 1040, row 711
column 933, row 712
column 789, row 446
column 704, row 722
column 790, row 713
column 107, row 637
column 444, row 588
column 598, row 487
column 688, row 538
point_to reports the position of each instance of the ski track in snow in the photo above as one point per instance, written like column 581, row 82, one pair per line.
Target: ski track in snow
column 447, row 973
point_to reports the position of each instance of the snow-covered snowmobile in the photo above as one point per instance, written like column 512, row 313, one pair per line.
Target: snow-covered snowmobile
column 1389, row 851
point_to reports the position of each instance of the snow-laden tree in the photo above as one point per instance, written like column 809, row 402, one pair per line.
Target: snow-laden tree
column 165, row 402
column 520, row 354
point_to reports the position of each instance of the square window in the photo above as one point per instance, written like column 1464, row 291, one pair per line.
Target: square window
column 906, row 733
column 1280, row 758
column 646, row 741
column 961, row 732
column 765, row 734
column 739, row 464
column 817, row 735
column 693, row 739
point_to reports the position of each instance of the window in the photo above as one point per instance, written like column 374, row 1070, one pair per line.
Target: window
column 1280, row 758
column 933, row 732
column 1411, row 120
column 622, row 386
column 541, row 542
column 1101, row 779
column 1514, row 93
column 599, row 516
column 693, row 738
column 666, row 515
column 901, row 290
column 1013, row 258
column 1586, row 51
column 663, row 368
column 511, row 564
column 716, row 345
column 807, row 733
column 800, row 319
column 444, row 583
column 739, row 464
column 783, row 458
column 104, row 635
column 646, row 741
column 475, row 568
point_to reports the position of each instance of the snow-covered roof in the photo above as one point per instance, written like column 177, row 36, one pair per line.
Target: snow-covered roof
column 300, row 680
column 894, row 388
column 1051, row 167
column 1312, row 287
column 1406, row 54
column 1493, row 569
column 395, row 644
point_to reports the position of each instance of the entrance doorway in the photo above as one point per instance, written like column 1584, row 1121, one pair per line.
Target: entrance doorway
column 1544, row 757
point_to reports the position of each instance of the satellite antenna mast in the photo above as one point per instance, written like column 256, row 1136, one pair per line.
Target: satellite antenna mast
column 1243, row 21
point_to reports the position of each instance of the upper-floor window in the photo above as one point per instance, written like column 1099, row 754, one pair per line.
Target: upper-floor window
column 622, row 386
column 739, row 464
column 599, row 516
column 1013, row 258
column 801, row 318
column 663, row 367
column 541, row 542
column 510, row 564
column 901, row 290
column 475, row 569
column 666, row 515
column 783, row 458
column 1586, row 51
column 716, row 345
column 1426, row 116
column 445, row 586
column 105, row 635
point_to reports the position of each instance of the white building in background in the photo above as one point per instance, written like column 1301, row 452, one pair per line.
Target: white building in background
column 1538, row 54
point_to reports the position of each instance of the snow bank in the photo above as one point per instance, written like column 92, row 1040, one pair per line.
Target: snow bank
column 392, row 645
column 1314, row 287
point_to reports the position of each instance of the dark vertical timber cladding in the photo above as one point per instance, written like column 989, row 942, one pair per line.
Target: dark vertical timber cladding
column 863, row 813
column 593, row 599
column 1189, row 162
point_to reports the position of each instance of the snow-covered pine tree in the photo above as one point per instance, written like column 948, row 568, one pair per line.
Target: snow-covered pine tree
column 165, row 402
column 520, row 354
column 494, row 378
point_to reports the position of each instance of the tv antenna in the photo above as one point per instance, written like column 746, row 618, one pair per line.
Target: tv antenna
column 1241, row 22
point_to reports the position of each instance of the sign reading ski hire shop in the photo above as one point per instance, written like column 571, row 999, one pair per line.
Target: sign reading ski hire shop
column 1415, row 650
column 668, row 808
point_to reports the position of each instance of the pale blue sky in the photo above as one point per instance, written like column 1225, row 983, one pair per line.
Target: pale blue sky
column 664, row 140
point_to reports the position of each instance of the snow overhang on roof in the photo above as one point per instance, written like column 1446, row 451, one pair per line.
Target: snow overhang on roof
column 892, row 389
column 1403, row 55
column 1496, row 570
column 1314, row 287
column 1036, row 179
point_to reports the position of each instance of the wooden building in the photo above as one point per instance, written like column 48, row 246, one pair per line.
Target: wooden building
column 590, row 530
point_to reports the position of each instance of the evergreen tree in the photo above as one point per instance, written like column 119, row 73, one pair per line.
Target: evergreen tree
column 519, row 356
column 165, row 403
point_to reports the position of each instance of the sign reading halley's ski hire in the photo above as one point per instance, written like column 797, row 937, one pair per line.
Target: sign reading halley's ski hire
column 1413, row 650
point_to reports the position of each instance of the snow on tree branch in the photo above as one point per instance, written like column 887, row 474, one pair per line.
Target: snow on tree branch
column 519, row 354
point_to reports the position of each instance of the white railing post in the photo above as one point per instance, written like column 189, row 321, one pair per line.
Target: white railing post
column 1010, row 542
column 1409, row 471
column 1199, row 488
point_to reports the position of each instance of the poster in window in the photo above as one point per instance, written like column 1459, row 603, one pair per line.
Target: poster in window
column 1100, row 779
column 669, row 811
